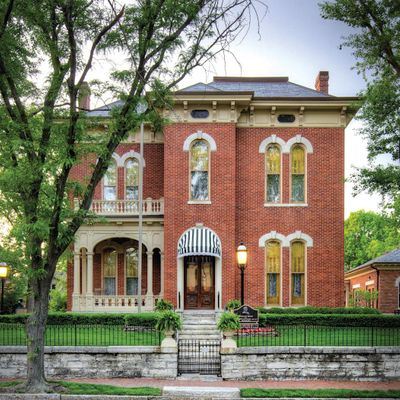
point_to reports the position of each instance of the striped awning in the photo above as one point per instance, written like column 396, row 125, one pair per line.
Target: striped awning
column 199, row 241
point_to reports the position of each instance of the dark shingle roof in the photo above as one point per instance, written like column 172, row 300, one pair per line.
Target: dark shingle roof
column 104, row 111
column 262, row 87
column 388, row 258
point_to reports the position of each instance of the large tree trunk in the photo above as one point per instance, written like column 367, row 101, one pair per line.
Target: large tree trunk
column 35, row 330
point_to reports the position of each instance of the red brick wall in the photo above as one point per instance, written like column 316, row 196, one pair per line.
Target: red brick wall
column 219, row 216
column 388, row 292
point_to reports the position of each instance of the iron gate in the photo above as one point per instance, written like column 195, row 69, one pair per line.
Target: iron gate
column 199, row 357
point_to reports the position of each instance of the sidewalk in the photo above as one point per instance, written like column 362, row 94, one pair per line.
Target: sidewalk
column 197, row 381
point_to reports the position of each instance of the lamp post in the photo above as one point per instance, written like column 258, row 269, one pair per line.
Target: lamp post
column 3, row 276
column 241, row 254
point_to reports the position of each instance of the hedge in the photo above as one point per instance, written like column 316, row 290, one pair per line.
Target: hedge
column 148, row 319
column 319, row 310
column 330, row 320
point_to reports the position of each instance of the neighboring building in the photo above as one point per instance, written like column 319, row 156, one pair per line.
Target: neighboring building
column 258, row 160
column 382, row 274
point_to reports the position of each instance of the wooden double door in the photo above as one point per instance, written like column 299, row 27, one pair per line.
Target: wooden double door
column 199, row 282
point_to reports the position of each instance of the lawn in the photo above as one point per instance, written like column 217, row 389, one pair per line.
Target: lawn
column 82, row 335
column 292, row 335
column 319, row 393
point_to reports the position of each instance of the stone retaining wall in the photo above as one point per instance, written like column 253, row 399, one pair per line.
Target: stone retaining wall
column 296, row 363
column 92, row 362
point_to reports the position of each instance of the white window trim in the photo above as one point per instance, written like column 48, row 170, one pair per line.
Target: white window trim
column 296, row 140
column 130, row 154
column 273, row 235
column 271, row 140
column 200, row 135
column 286, row 240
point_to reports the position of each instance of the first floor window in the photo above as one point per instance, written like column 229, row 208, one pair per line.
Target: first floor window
column 131, row 271
column 273, row 263
column 109, row 271
column 297, row 273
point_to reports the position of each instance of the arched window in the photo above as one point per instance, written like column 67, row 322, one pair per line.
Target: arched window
column 131, row 259
column 273, row 173
column 109, row 271
column 199, row 170
column 298, row 169
column 132, row 179
column 297, row 272
column 273, row 267
column 110, row 183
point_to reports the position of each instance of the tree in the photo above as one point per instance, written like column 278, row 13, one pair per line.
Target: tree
column 376, row 45
column 43, row 132
column 368, row 235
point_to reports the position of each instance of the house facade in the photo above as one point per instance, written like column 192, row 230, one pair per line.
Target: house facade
column 380, row 276
column 258, row 160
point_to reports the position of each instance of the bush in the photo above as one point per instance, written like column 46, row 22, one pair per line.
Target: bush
column 330, row 320
column 228, row 321
column 164, row 305
column 168, row 321
column 232, row 304
column 319, row 310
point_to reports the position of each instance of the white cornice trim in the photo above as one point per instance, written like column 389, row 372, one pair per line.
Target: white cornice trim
column 298, row 139
column 269, row 140
column 199, row 135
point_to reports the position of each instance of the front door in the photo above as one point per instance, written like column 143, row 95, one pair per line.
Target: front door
column 199, row 282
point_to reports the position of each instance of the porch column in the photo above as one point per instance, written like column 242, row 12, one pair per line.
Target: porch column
column 89, row 282
column 76, row 288
column 162, row 274
column 149, row 294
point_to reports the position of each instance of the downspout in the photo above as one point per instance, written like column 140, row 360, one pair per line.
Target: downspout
column 377, row 284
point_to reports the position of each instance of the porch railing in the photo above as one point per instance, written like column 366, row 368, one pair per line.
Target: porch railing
column 125, row 207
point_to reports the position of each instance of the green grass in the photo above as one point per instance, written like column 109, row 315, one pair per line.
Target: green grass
column 80, row 335
column 332, row 393
column 324, row 336
column 9, row 383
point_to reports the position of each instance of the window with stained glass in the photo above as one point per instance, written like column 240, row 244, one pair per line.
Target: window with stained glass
column 199, row 170
column 273, row 173
column 110, row 183
column 273, row 267
column 109, row 271
column 132, row 179
column 297, row 272
column 131, row 259
column 298, row 174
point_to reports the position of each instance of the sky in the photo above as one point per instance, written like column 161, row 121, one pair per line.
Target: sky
column 296, row 42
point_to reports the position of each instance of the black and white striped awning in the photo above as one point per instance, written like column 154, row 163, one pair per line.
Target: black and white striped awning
column 199, row 241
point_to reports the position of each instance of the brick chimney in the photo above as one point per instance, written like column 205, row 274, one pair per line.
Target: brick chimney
column 84, row 97
column 322, row 82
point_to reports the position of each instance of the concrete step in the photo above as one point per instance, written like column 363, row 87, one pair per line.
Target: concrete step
column 199, row 337
column 200, row 332
column 201, row 392
column 198, row 327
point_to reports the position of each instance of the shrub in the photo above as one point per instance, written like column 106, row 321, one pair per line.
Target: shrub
column 228, row 321
column 164, row 305
column 232, row 304
column 168, row 321
column 318, row 310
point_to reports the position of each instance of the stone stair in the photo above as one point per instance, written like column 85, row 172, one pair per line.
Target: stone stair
column 199, row 325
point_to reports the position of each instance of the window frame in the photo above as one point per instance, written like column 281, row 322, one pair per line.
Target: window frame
column 126, row 270
column 279, row 304
column 291, row 201
column 116, row 182
column 291, row 304
column 191, row 200
column 116, row 270
column 126, row 175
column 266, row 202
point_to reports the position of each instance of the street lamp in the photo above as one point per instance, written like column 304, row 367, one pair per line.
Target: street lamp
column 3, row 276
column 241, row 254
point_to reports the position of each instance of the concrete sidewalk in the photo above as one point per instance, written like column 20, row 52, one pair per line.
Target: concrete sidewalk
column 197, row 381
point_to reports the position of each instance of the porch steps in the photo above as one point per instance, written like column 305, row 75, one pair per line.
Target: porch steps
column 199, row 325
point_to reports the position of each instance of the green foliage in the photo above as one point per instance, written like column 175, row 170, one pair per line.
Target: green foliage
column 58, row 295
column 376, row 46
column 330, row 320
column 168, row 321
column 232, row 304
column 163, row 305
column 318, row 310
column 228, row 321
column 364, row 298
column 368, row 235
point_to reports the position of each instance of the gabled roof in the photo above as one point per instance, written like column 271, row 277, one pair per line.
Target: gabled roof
column 261, row 86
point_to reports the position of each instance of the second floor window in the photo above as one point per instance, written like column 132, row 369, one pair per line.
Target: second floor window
column 110, row 183
column 298, row 174
column 132, row 179
column 273, row 174
column 199, row 171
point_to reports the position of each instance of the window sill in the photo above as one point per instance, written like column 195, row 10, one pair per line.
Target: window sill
column 285, row 205
column 199, row 202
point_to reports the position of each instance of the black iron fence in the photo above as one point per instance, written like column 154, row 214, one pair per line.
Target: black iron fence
column 312, row 335
column 84, row 335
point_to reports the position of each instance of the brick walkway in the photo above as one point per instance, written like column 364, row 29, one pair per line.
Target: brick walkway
column 318, row 384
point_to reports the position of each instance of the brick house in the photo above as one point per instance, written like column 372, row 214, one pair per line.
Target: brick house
column 258, row 160
column 382, row 274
